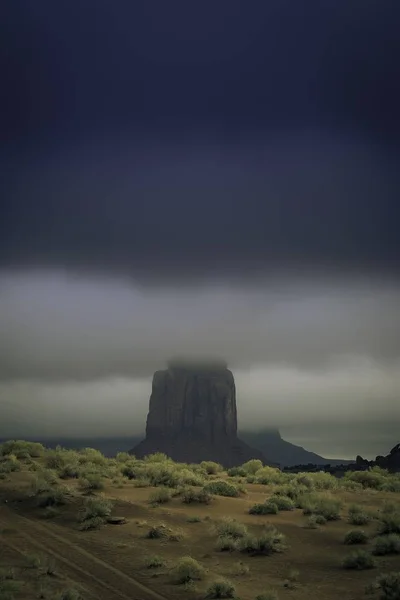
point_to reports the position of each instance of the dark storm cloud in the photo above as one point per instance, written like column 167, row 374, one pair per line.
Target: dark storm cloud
column 107, row 105
column 310, row 201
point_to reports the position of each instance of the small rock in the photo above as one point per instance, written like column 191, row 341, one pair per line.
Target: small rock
column 116, row 520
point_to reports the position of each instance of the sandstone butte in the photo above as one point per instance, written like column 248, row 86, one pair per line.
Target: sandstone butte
column 192, row 415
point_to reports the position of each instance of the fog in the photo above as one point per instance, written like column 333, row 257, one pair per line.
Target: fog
column 78, row 354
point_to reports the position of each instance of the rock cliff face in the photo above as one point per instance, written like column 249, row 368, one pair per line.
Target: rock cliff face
column 192, row 416
column 391, row 461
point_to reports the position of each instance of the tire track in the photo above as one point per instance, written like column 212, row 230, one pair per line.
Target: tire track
column 113, row 581
column 22, row 551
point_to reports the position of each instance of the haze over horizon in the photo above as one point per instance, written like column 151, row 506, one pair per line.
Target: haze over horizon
column 210, row 180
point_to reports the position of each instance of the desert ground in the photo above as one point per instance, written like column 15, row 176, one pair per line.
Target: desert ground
column 75, row 525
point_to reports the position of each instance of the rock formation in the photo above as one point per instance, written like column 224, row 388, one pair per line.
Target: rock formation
column 391, row 461
column 192, row 415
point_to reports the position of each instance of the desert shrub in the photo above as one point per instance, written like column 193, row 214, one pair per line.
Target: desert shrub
column 251, row 466
column 388, row 586
column 226, row 543
column 355, row 536
column 266, row 508
column 210, row 467
column 350, row 486
column 323, row 481
column 157, row 457
column 95, row 513
column 358, row 560
column 291, row 490
column 304, row 480
column 268, row 475
column 122, row 457
column 221, row 589
column 69, row 470
column 189, row 477
column 194, row 519
column 237, row 472
column 188, row 570
column 160, row 496
column 368, row 479
column 154, row 562
column 193, row 496
column 386, row 544
column 91, row 455
column 157, row 532
column 314, row 520
column 326, row 506
column 90, row 483
column 268, row 542
column 231, row 528
column 389, row 523
column 9, row 464
column 282, row 502
column 358, row 516
column 251, row 479
column 56, row 496
column 221, row 488
column 22, row 449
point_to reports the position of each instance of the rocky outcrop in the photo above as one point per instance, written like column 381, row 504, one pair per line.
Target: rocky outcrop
column 391, row 461
column 192, row 415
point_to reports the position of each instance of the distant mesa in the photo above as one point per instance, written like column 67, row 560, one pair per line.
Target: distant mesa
column 192, row 415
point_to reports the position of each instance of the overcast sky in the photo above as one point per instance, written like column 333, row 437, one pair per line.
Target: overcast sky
column 214, row 179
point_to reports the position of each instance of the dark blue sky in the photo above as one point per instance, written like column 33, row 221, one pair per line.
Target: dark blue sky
column 181, row 138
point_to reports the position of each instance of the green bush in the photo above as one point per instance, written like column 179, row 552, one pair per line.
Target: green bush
column 157, row 457
column 268, row 542
column 368, row 479
column 314, row 520
column 96, row 508
column 22, row 449
column 57, row 496
column 188, row 570
column 193, row 496
column 123, row 457
column 389, row 523
column 229, row 527
column 358, row 516
column 355, row 536
column 282, row 502
column 221, row 488
column 386, row 544
column 210, row 467
column 154, row 562
column 388, row 586
column 221, row 589
column 160, row 496
column 267, row 508
column 358, row 560
column 321, row 505
column 226, row 543
column 90, row 483
column 9, row 464
column 251, row 466
column 237, row 472
column 70, row 470
column 269, row 475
